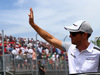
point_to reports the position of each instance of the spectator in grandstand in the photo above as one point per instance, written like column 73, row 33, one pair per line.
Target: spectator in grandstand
column 40, row 48
column 81, row 52
column 55, row 56
column 57, row 63
column 50, row 64
column 44, row 54
column 62, row 61
column 58, row 51
column 14, row 52
column 29, row 57
column 50, row 49
column 25, row 41
column 17, row 48
column 20, row 59
column 29, row 44
column 28, row 40
column 53, row 49
column 11, row 40
column 5, row 49
column 15, row 40
column 47, row 50
column 23, row 49
column 39, row 55
column 32, row 40
column 9, row 50
column 34, row 59
column 13, row 61
column 41, row 68
column 1, row 59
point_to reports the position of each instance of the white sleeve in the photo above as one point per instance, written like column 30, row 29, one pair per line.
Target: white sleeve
column 66, row 45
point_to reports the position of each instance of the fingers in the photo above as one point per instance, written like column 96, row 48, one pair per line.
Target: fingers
column 31, row 13
column 31, row 17
column 31, row 9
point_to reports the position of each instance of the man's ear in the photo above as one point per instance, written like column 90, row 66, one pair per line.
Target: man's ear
column 85, row 35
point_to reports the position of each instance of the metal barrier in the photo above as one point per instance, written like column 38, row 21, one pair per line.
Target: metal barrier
column 26, row 66
column 15, row 66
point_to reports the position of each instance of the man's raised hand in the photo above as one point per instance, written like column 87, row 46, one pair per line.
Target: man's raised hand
column 31, row 17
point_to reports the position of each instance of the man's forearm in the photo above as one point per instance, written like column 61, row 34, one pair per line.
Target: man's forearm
column 45, row 35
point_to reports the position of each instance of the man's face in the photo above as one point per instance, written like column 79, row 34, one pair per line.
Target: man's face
column 76, row 37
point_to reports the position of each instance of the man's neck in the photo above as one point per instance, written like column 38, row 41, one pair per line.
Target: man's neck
column 83, row 46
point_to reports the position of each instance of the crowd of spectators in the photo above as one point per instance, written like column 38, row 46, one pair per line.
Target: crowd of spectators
column 25, row 48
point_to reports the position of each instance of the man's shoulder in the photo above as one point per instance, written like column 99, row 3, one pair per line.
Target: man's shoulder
column 96, row 48
column 66, row 45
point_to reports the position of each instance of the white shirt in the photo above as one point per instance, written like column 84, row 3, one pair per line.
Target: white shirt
column 17, row 49
column 55, row 57
column 14, row 52
column 29, row 55
column 84, row 61
column 47, row 51
column 59, row 51
column 23, row 50
column 40, row 49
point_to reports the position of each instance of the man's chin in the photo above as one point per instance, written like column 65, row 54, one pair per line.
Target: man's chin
column 73, row 43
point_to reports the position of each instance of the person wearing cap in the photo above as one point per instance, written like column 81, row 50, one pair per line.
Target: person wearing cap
column 41, row 68
column 83, row 56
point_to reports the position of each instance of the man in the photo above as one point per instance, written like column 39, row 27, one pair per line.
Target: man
column 83, row 56
column 41, row 68
column 29, row 57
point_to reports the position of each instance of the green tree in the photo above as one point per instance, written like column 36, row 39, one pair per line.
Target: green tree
column 96, row 42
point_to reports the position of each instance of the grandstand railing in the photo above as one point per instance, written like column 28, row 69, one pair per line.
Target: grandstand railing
column 12, row 66
column 23, row 66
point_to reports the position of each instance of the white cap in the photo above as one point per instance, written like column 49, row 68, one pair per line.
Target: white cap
column 80, row 26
